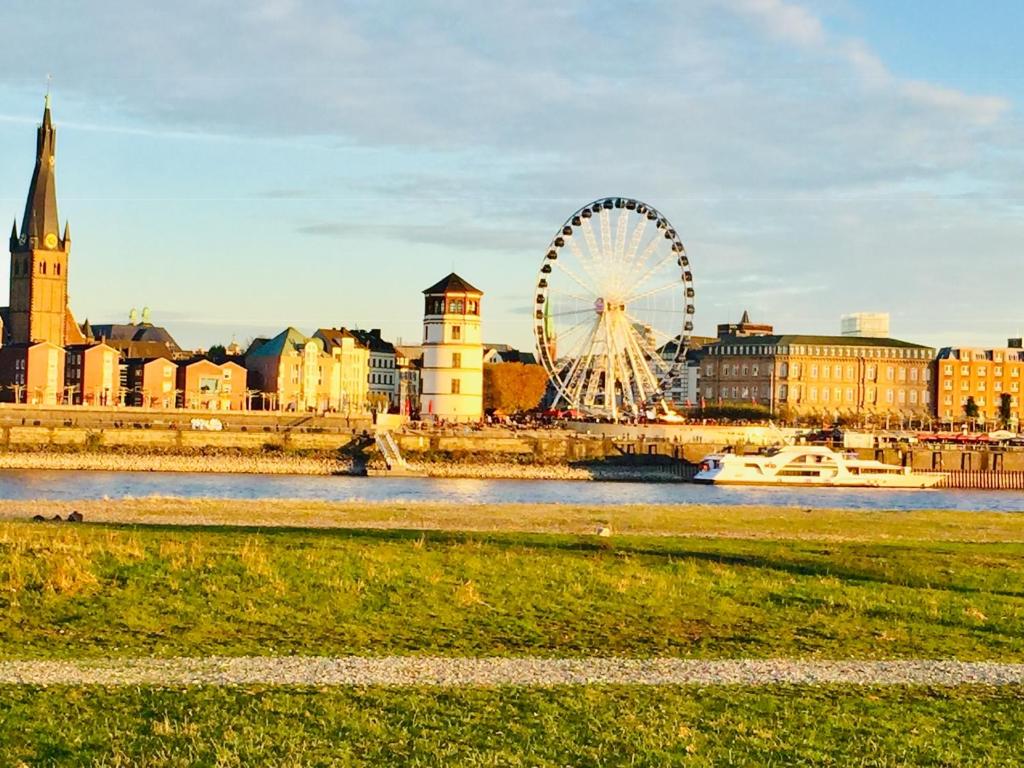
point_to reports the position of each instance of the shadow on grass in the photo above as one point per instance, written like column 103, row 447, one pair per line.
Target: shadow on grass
column 825, row 565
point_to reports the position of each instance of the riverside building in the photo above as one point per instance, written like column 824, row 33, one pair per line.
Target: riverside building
column 987, row 375
column 830, row 377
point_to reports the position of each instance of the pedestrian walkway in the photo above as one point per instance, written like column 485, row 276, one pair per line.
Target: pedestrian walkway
column 460, row 671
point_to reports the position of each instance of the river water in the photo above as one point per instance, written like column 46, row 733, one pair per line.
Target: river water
column 60, row 484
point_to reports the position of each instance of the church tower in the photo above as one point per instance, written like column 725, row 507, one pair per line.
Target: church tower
column 453, row 352
column 39, row 254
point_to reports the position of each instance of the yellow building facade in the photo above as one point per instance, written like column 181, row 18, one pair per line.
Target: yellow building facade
column 984, row 374
column 822, row 376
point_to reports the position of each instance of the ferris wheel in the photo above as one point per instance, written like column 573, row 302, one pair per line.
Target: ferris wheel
column 613, row 308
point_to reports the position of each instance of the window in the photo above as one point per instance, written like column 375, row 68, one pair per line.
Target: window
column 998, row 386
column 849, row 395
column 814, row 394
column 42, row 267
column 455, row 306
column 888, row 396
column 947, row 384
column 982, row 370
column 783, row 391
column 913, row 374
column 56, row 269
column 849, row 371
column 744, row 370
column 709, row 370
column 998, row 370
column 981, row 386
column 948, row 370
column 824, row 394
column 456, row 386
column 796, row 370
column 889, row 372
column 456, row 332
column 456, row 359
column 913, row 397
column 814, row 372
column 871, row 372
column 824, row 371
column 784, row 370
column 735, row 370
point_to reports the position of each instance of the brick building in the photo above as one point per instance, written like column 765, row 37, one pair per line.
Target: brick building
column 987, row 375
column 92, row 374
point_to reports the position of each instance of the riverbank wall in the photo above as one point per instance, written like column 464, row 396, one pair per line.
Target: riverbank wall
column 492, row 453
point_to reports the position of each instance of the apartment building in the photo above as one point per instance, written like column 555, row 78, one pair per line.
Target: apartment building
column 987, row 375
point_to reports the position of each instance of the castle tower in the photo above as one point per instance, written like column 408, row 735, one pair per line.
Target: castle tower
column 39, row 254
column 453, row 352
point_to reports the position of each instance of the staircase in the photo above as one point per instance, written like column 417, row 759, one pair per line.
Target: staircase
column 388, row 448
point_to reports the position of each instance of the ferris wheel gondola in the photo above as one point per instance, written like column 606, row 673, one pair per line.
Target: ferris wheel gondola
column 613, row 308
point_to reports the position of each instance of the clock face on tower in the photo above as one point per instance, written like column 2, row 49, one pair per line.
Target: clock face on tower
column 51, row 240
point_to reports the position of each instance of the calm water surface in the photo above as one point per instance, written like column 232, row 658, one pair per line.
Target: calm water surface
column 56, row 484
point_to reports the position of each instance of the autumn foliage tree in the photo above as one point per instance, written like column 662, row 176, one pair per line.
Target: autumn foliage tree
column 513, row 387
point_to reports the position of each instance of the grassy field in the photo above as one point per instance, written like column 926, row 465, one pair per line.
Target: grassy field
column 511, row 727
column 98, row 590
column 384, row 579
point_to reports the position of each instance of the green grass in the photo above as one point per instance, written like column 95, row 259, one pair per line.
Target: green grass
column 99, row 590
column 511, row 727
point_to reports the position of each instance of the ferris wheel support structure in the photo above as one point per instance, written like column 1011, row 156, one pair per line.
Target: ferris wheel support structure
column 613, row 308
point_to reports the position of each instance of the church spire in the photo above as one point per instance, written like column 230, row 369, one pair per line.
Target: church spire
column 40, row 220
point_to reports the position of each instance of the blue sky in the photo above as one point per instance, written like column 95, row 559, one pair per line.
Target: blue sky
column 240, row 167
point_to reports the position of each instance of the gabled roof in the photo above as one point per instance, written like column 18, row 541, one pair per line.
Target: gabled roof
column 139, row 332
column 333, row 337
column 289, row 341
column 453, row 284
column 374, row 342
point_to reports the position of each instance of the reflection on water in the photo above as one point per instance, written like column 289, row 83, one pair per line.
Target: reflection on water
column 55, row 484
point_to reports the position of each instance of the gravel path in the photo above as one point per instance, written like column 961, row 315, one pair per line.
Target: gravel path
column 450, row 672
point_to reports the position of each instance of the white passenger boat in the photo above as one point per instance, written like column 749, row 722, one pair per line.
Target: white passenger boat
column 809, row 465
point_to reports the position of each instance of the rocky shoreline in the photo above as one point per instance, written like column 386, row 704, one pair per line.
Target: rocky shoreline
column 282, row 464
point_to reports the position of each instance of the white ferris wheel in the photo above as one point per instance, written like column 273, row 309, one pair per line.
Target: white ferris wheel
column 613, row 308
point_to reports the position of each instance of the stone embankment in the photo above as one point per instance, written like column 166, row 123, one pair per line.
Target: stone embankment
column 268, row 464
column 292, row 464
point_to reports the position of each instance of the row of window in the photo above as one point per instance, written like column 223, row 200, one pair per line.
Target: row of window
column 980, row 400
column 826, row 371
column 21, row 267
column 825, row 394
column 913, row 353
column 981, row 370
column 997, row 386
column 437, row 305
